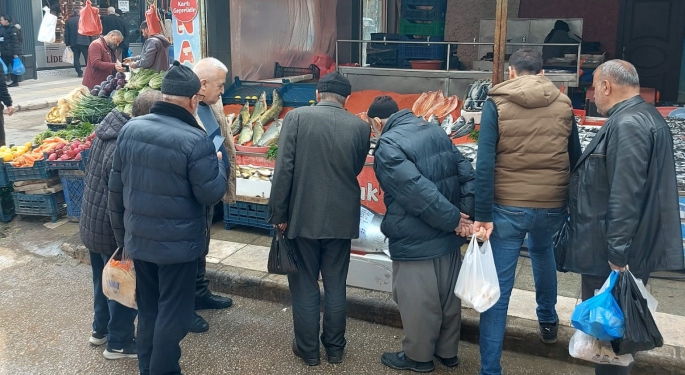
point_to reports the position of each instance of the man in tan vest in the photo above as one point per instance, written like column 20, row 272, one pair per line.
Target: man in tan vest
column 527, row 144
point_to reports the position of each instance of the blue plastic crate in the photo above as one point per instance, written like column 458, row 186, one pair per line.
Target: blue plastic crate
column 73, row 184
column 298, row 94
column 39, row 171
column 53, row 205
column 69, row 164
column 6, row 204
column 247, row 214
column 288, row 71
column 241, row 91
column 4, row 181
column 417, row 10
column 423, row 51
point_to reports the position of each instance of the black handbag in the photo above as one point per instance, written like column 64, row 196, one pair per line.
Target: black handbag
column 282, row 256
column 560, row 244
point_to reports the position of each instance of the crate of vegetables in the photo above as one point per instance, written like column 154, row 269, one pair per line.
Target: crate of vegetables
column 70, row 156
column 91, row 109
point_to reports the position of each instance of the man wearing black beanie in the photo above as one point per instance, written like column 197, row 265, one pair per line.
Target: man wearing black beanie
column 429, row 194
column 315, row 201
column 165, row 176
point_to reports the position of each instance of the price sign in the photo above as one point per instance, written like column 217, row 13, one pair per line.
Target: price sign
column 123, row 6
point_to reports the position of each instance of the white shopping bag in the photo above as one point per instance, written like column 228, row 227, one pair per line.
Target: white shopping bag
column 68, row 56
column 477, row 285
column 119, row 279
column 588, row 348
column 46, row 33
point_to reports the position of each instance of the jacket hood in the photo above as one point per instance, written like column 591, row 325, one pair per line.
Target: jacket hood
column 527, row 91
column 111, row 125
column 163, row 39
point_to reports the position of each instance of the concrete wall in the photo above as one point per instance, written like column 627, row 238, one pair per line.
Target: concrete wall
column 463, row 22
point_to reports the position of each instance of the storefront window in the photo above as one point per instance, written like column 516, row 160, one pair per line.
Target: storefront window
column 373, row 21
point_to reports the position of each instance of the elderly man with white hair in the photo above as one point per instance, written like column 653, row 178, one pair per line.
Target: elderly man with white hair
column 210, row 114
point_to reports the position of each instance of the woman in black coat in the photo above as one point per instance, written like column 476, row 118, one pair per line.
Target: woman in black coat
column 6, row 99
column 10, row 47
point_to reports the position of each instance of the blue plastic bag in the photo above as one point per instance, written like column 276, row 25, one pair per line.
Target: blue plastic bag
column 601, row 316
column 4, row 67
column 18, row 68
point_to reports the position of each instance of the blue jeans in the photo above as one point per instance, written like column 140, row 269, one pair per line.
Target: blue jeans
column 511, row 224
column 111, row 317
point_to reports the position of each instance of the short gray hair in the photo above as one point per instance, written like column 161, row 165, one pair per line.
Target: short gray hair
column 144, row 101
column 619, row 72
column 116, row 33
column 111, row 10
column 333, row 97
column 209, row 62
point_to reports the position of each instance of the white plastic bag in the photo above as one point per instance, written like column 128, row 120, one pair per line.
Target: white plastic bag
column 46, row 33
column 477, row 284
column 68, row 56
column 119, row 279
column 588, row 348
column 652, row 303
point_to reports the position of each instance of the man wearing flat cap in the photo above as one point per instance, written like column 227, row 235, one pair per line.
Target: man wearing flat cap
column 166, row 174
column 315, row 201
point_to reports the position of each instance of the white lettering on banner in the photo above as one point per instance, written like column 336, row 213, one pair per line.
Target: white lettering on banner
column 369, row 193
column 123, row 5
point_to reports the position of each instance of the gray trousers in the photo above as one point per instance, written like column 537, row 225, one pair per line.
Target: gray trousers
column 331, row 258
column 431, row 313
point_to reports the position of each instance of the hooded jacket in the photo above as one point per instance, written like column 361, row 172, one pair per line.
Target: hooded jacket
column 155, row 54
column 624, row 197
column 526, row 146
column 94, row 226
column 11, row 44
column 427, row 184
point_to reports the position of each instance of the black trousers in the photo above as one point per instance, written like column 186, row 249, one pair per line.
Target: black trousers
column 78, row 51
column 588, row 286
column 332, row 258
column 201, row 282
column 2, row 125
column 9, row 61
column 165, row 308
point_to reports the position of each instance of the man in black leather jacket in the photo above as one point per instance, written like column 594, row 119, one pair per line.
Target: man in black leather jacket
column 623, row 195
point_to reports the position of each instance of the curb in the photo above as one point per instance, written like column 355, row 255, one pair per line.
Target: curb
column 34, row 106
column 522, row 335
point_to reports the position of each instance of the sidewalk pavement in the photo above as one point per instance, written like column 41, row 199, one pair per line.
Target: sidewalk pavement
column 44, row 92
column 237, row 265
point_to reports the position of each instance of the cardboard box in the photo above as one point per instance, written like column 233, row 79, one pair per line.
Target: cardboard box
column 253, row 188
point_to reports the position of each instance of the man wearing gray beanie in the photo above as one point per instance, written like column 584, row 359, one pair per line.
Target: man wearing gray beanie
column 166, row 174
column 315, row 201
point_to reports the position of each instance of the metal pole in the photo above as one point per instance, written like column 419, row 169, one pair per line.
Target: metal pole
column 337, row 46
column 447, row 67
column 500, row 42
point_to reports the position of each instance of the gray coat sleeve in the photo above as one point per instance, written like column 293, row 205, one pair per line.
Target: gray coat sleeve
column 467, row 184
column 116, row 200
column 207, row 173
column 279, row 201
column 149, row 54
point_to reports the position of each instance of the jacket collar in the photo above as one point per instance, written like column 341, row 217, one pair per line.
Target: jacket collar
column 329, row 103
column 175, row 111
column 615, row 110
column 396, row 118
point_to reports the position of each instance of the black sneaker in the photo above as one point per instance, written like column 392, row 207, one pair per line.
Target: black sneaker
column 399, row 361
column 448, row 362
column 97, row 339
column 128, row 351
column 214, row 302
column 548, row 332
column 334, row 358
column 198, row 324
column 13, row 84
column 309, row 361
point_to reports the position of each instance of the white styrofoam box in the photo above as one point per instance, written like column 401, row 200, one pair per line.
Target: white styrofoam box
column 253, row 188
column 370, row 271
column 476, row 116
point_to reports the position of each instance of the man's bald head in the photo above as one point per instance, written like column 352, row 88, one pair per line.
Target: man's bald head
column 212, row 74
column 614, row 81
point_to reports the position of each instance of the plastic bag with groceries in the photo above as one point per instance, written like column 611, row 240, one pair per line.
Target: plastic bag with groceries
column 586, row 347
column 119, row 279
column 477, row 284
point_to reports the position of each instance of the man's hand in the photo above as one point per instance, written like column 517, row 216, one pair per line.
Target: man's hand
column 617, row 268
column 132, row 65
column 127, row 60
column 282, row 227
column 10, row 111
column 465, row 227
column 120, row 68
column 483, row 230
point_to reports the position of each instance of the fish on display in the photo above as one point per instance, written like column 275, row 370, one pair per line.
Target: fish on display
column 245, row 114
column 466, row 129
column 433, row 120
column 257, row 131
column 237, row 125
column 447, row 124
column 461, row 121
column 259, row 108
column 417, row 104
column 371, row 239
column 245, row 134
column 271, row 134
column 275, row 110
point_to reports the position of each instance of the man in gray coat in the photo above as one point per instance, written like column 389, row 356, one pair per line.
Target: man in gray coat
column 315, row 201
column 155, row 53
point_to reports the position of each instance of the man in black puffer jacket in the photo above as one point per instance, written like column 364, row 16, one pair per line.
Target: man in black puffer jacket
column 10, row 47
column 429, row 194
column 112, row 322
column 165, row 176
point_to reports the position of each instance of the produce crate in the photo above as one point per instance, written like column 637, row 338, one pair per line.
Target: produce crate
column 52, row 205
column 39, row 171
column 287, row 71
column 423, row 51
column 240, row 91
column 413, row 10
column 247, row 214
column 383, row 54
column 6, row 204
column 4, row 181
column 298, row 94
column 73, row 184
column 56, row 127
column 435, row 28
column 385, row 36
column 69, row 164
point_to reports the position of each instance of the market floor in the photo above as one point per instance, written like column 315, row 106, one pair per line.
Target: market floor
column 45, row 310
column 24, row 125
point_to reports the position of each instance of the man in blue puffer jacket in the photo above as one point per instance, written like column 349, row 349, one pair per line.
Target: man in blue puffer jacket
column 429, row 195
column 165, row 176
